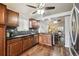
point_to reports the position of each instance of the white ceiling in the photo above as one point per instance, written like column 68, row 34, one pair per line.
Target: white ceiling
column 26, row 11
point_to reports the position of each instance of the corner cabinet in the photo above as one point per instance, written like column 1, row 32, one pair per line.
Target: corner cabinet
column 13, row 18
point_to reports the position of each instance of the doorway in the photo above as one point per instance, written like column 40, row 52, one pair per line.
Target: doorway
column 56, row 28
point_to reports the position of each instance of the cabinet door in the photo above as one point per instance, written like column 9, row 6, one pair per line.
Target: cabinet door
column 35, row 39
column 40, row 39
column 1, row 49
column 33, row 23
column 31, row 41
column 8, row 52
column 2, row 14
column 19, row 47
column 45, row 39
column 26, row 43
column 12, row 18
column 15, row 48
column 2, row 41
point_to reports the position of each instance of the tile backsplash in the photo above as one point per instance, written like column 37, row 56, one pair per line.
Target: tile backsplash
column 14, row 32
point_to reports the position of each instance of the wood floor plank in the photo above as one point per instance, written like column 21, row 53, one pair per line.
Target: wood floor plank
column 41, row 50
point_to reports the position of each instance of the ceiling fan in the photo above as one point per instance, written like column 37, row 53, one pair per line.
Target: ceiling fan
column 41, row 8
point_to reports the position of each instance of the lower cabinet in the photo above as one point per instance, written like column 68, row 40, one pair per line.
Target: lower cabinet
column 45, row 39
column 26, row 43
column 36, row 39
column 14, row 48
column 31, row 40
column 18, row 45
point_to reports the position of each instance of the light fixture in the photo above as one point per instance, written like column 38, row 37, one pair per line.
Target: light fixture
column 42, row 5
column 40, row 11
column 60, row 28
column 55, row 22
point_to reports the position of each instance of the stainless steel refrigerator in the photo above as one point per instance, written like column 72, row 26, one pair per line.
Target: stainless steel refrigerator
column 74, row 30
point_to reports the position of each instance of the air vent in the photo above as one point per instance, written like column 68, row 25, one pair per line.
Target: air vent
column 59, row 20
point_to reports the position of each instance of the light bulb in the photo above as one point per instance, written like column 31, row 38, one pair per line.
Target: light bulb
column 40, row 11
column 55, row 22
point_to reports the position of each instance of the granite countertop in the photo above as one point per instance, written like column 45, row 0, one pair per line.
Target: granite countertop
column 21, row 36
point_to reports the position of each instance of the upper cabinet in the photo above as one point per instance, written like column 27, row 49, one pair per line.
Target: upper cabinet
column 34, row 23
column 13, row 18
column 2, row 14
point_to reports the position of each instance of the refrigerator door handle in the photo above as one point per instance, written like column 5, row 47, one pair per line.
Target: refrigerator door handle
column 71, row 35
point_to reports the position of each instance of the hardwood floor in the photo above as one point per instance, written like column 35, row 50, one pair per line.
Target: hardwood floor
column 41, row 50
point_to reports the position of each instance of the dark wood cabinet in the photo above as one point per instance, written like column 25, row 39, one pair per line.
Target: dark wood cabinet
column 2, row 14
column 13, row 18
column 14, row 47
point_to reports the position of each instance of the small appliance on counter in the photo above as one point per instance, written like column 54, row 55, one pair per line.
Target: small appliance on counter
column 10, row 32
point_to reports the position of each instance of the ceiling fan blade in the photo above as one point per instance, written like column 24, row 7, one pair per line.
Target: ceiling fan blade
column 49, row 8
column 31, row 6
column 34, row 12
